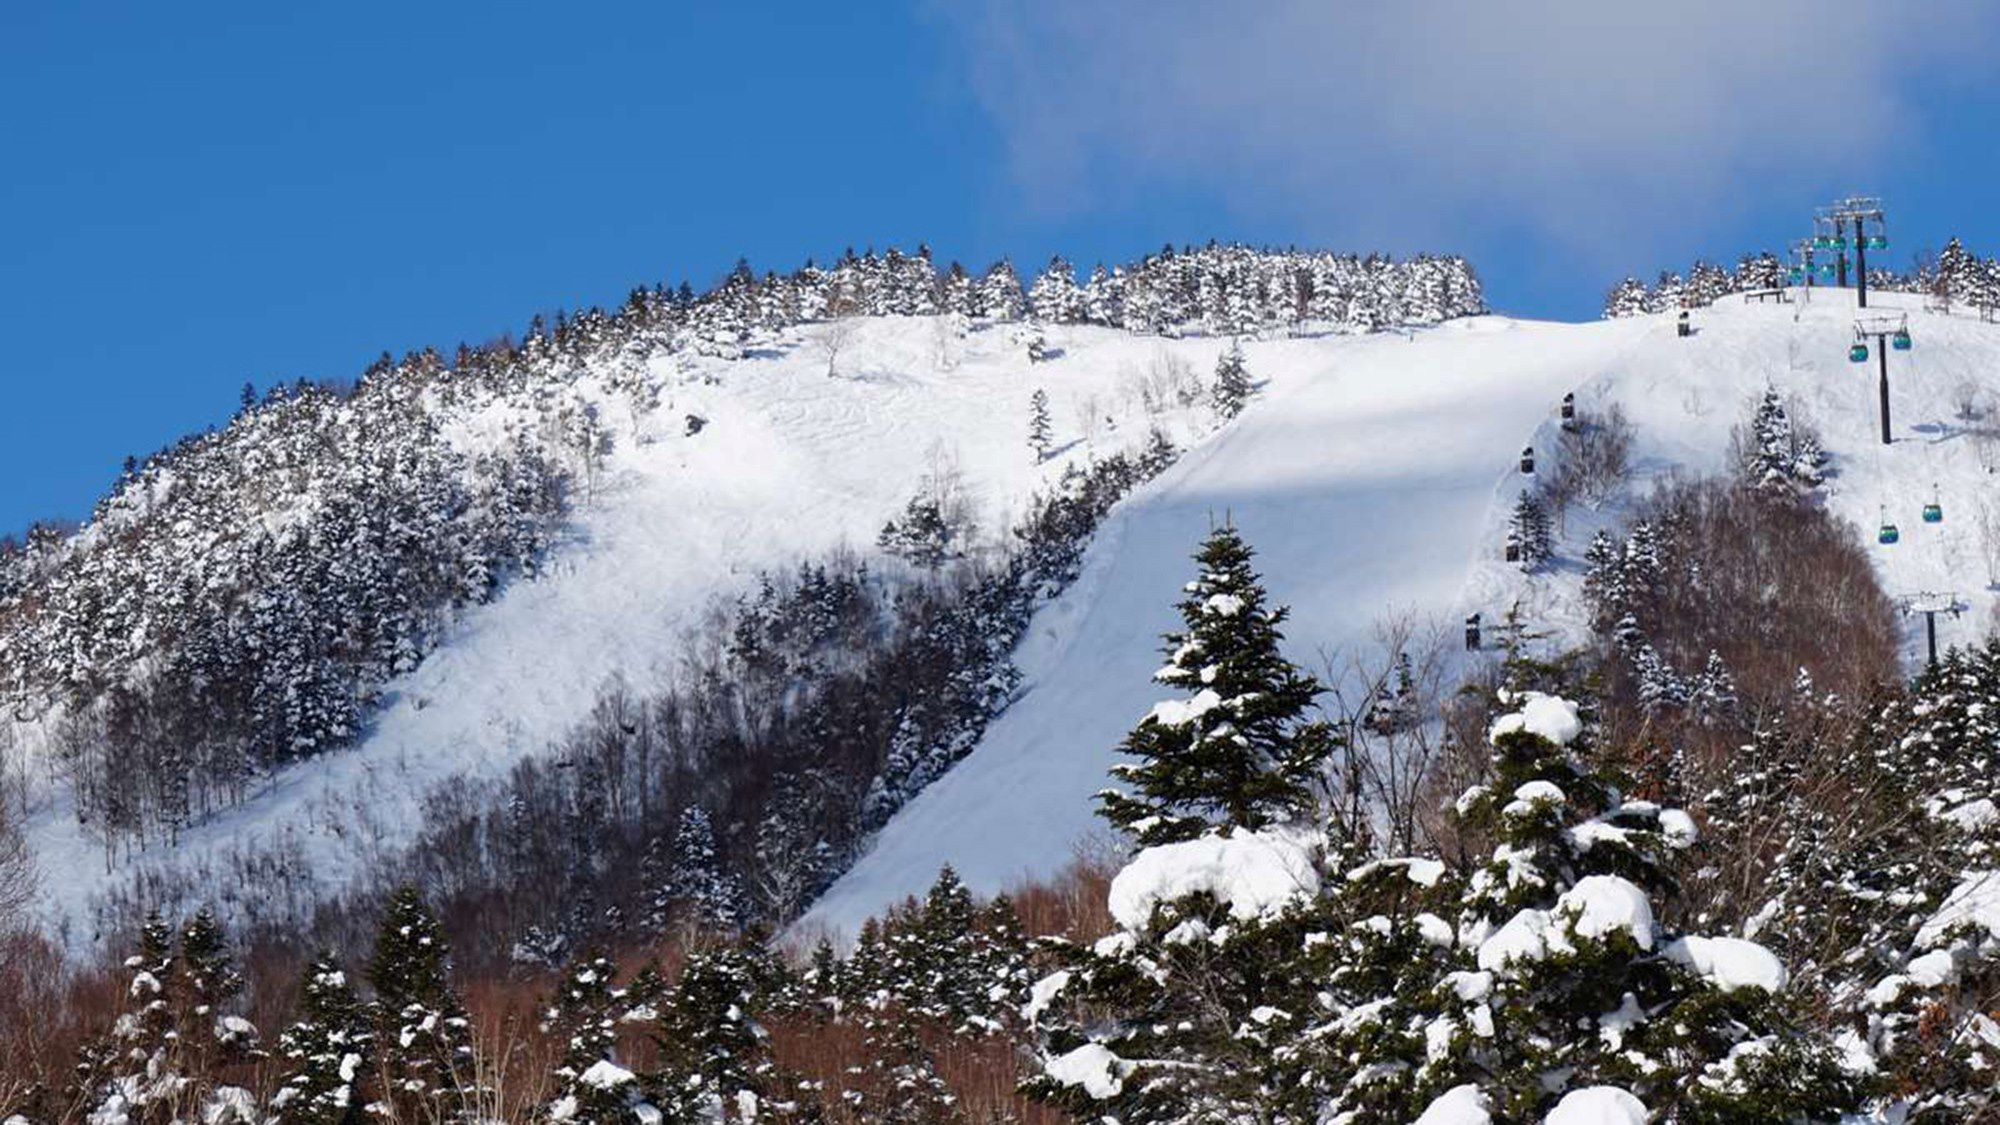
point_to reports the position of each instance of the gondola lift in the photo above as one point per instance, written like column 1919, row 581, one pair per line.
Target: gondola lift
column 1858, row 353
column 1934, row 511
column 1887, row 535
column 1901, row 340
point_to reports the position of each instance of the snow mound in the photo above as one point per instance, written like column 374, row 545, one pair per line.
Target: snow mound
column 1093, row 1067
column 1254, row 874
column 1548, row 716
column 1730, row 963
column 1460, row 1105
column 1599, row 906
column 1598, row 1105
column 606, row 1075
column 1523, row 939
column 1974, row 902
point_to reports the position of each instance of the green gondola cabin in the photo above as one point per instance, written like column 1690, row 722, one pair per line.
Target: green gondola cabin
column 1858, row 353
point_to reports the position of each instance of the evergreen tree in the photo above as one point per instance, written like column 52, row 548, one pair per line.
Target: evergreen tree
column 1627, row 298
column 327, row 1051
column 711, row 1049
column 1774, row 455
column 582, row 1020
column 138, row 1074
column 424, row 1040
column 1239, row 752
column 1232, row 382
column 1547, row 970
column 1529, row 532
column 1039, row 436
column 695, row 887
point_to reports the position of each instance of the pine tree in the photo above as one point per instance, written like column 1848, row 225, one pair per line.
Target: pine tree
column 711, row 1049
column 1774, row 455
column 1039, row 436
column 1239, row 751
column 694, row 887
column 327, row 1050
column 1529, row 532
column 1627, row 298
column 582, row 1019
column 424, row 1039
column 1232, row 382
column 1547, row 970
column 139, row 1074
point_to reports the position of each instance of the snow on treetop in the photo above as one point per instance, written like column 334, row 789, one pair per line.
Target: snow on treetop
column 1223, row 605
column 1524, row 938
column 1549, row 716
column 1421, row 871
column 1598, row 1105
column 1974, row 902
column 1730, row 963
column 1255, row 874
column 1601, row 905
column 1093, row 1067
column 606, row 1075
column 1181, row 712
column 1460, row 1105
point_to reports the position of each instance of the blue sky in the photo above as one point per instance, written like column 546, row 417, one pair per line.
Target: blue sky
column 196, row 196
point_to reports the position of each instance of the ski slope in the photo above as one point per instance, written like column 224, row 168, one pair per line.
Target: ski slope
column 1380, row 484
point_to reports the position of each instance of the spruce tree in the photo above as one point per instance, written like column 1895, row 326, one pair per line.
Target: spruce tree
column 695, row 888
column 327, row 1051
column 1530, row 533
column 1232, row 382
column 424, row 1039
column 1553, row 971
column 1039, row 434
column 1239, row 751
column 582, row 1020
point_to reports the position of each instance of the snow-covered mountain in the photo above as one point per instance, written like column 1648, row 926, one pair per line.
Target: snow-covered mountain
column 1377, row 483
column 1372, row 472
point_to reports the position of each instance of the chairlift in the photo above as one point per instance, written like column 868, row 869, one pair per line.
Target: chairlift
column 1858, row 353
column 1528, row 459
column 1901, row 340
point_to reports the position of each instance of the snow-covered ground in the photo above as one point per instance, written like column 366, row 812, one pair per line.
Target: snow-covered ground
column 1379, row 481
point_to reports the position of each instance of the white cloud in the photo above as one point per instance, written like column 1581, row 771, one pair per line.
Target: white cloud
column 1589, row 125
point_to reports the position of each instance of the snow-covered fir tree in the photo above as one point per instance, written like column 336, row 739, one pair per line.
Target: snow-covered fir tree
column 1231, row 389
column 1530, row 534
column 694, row 888
column 1627, row 298
column 1040, row 434
column 423, row 1039
column 1777, row 456
column 327, row 1050
column 1549, row 970
column 1239, row 751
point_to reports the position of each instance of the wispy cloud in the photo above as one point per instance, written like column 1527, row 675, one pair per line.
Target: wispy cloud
column 1585, row 125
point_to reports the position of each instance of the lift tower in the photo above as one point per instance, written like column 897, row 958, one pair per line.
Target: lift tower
column 1861, row 215
column 1888, row 332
